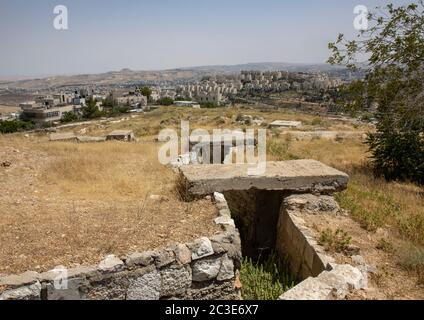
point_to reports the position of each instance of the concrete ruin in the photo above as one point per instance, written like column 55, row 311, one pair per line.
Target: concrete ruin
column 218, row 150
column 281, row 124
column 269, row 212
column 257, row 214
column 121, row 135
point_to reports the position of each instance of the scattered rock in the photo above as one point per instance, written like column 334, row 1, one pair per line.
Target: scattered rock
column 14, row 281
column 5, row 164
column 175, row 281
column 207, row 269
column 358, row 260
column 141, row 259
column 111, row 263
column 32, row 292
column 227, row 269
column 183, row 254
column 146, row 287
column 201, row 248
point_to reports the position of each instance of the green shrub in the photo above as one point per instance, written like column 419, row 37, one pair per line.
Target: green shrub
column 12, row 126
column 69, row 117
column 337, row 241
column 412, row 260
column 267, row 280
column 209, row 105
column 392, row 88
column 386, row 246
column 166, row 101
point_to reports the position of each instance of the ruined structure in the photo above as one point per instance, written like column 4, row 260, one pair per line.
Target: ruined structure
column 256, row 213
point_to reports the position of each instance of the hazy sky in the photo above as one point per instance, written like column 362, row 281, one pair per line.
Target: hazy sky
column 107, row 35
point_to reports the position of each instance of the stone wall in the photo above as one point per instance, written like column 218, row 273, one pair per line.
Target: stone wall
column 207, row 269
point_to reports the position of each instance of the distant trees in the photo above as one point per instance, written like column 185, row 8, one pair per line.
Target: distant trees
column 91, row 110
column 69, row 117
column 393, row 85
column 209, row 105
column 147, row 92
column 11, row 126
column 183, row 99
column 166, row 101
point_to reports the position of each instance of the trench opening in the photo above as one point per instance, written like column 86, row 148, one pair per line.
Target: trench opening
column 265, row 273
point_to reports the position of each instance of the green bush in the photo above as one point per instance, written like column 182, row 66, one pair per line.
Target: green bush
column 69, row 117
column 209, row 105
column 12, row 126
column 392, row 88
column 337, row 241
column 166, row 102
column 91, row 111
column 267, row 280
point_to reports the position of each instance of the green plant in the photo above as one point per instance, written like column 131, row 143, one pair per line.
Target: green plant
column 371, row 208
column 11, row 126
column 280, row 149
column 166, row 101
column 393, row 86
column 267, row 280
column 412, row 260
column 385, row 245
column 146, row 91
column 91, row 110
column 69, row 117
column 209, row 105
column 336, row 241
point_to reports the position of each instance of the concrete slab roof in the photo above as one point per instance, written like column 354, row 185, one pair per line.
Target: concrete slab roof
column 120, row 133
column 62, row 136
column 299, row 176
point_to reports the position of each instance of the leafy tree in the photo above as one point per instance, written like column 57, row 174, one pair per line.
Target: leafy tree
column 91, row 110
column 393, row 87
column 69, row 117
column 109, row 102
column 147, row 92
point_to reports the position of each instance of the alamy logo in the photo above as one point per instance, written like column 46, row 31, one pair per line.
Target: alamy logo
column 60, row 22
column 360, row 22
column 60, row 281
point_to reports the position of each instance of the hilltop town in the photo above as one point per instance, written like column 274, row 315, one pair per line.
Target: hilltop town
column 50, row 106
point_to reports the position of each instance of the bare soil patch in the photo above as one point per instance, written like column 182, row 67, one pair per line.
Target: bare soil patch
column 71, row 204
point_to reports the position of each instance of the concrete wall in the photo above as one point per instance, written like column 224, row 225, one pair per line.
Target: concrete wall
column 207, row 269
column 323, row 279
column 295, row 240
column 256, row 214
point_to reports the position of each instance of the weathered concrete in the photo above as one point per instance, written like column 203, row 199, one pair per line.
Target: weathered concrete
column 297, row 176
column 329, row 285
column 285, row 124
column 68, row 136
column 325, row 280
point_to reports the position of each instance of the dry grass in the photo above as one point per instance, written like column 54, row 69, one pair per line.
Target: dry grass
column 78, row 202
column 69, row 204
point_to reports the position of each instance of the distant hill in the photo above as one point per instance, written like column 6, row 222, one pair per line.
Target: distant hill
column 267, row 66
column 129, row 77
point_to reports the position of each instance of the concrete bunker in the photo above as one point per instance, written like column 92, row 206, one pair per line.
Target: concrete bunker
column 267, row 208
column 219, row 149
